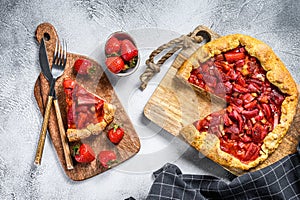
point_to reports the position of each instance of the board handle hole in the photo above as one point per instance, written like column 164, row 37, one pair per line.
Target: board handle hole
column 205, row 35
column 46, row 36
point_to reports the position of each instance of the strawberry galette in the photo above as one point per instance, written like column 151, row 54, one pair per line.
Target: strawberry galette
column 87, row 113
column 260, row 96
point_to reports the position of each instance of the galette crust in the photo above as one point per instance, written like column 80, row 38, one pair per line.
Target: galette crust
column 277, row 74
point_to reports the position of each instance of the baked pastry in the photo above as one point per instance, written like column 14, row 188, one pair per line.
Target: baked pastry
column 87, row 113
column 260, row 94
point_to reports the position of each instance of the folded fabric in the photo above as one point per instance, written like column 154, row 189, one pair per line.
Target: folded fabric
column 280, row 180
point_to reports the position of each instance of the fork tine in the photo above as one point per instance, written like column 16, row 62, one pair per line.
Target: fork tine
column 59, row 54
column 65, row 53
column 55, row 53
column 61, row 58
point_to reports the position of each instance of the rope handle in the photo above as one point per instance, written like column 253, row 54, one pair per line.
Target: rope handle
column 184, row 41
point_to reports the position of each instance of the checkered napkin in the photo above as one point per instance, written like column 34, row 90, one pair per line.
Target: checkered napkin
column 278, row 181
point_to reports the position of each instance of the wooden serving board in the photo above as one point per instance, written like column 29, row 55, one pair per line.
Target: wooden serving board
column 174, row 105
column 98, row 84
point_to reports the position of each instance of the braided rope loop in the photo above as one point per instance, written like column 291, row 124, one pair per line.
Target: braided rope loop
column 184, row 41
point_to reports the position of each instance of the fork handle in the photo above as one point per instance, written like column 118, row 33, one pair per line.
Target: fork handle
column 40, row 147
column 63, row 137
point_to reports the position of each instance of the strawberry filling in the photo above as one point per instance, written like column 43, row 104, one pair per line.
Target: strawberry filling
column 254, row 104
column 83, row 108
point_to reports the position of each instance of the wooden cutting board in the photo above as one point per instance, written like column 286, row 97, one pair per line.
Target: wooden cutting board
column 174, row 105
column 98, row 84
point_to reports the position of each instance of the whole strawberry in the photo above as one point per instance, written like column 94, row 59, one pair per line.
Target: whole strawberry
column 128, row 50
column 84, row 153
column 84, row 67
column 115, row 134
column 112, row 46
column 115, row 64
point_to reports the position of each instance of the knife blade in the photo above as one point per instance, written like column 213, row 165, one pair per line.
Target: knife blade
column 43, row 57
column 44, row 61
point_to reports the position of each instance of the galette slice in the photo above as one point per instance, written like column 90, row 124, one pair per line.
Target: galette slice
column 260, row 94
column 87, row 113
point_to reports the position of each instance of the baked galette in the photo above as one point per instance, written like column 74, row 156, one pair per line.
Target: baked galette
column 260, row 95
column 87, row 113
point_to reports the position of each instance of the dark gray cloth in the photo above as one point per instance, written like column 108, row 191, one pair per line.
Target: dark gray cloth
column 280, row 180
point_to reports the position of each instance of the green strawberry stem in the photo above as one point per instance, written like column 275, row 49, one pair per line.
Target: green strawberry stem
column 92, row 70
column 112, row 55
column 116, row 126
column 126, row 66
column 76, row 150
column 111, row 162
column 133, row 62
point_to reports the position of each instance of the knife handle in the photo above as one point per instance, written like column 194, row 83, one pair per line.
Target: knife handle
column 63, row 137
column 40, row 147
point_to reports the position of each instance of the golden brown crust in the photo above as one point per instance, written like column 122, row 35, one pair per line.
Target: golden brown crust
column 277, row 74
column 93, row 129
column 209, row 145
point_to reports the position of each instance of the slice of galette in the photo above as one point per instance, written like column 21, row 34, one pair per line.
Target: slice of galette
column 260, row 94
column 87, row 113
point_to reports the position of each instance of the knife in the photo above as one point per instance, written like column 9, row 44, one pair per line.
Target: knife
column 43, row 57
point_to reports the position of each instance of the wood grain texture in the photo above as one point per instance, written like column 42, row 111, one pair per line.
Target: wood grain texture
column 98, row 84
column 63, row 137
column 174, row 105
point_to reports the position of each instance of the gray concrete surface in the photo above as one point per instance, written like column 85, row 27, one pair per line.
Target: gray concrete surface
column 85, row 24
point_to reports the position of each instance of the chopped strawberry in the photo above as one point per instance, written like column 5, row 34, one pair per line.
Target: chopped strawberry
column 219, row 57
column 250, row 113
column 251, row 152
column 115, row 64
column 233, row 129
column 112, row 46
column 232, row 57
column 81, row 120
column 86, row 100
column 210, row 80
column 128, row 50
column 232, row 74
column 266, row 110
column 82, row 109
column 247, row 98
column 227, row 120
column 201, row 124
column 240, row 63
column 228, row 87
column 240, row 89
column 84, row 66
column 84, row 153
column 241, row 81
column 107, row 158
column 69, row 84
column 263, row 99
column 251, row 105
column 277, row 97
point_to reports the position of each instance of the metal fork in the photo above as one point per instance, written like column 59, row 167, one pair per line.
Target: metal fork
column 58, row 66
column 59, row 60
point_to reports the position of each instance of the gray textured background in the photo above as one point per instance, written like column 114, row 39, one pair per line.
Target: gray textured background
column 85, row 24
